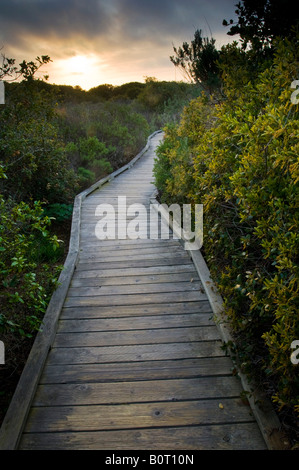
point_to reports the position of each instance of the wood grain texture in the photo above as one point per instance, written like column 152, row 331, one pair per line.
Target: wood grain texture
column 236, row 436
column 135, row 371
column 137, row 361
column 136, row 415
column 137, row 392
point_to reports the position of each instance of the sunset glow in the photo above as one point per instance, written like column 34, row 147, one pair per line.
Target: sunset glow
column 85, row 71
column 96, row 42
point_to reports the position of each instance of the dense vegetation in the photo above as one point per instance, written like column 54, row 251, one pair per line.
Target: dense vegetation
column 236, row 152
column 54, row 142
column 232, row 147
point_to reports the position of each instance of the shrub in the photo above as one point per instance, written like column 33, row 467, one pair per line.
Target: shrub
column 59, row 212
column 87, row 177
column 240, row 159
column 106, row 130
column 31, row 151
column 28, row 269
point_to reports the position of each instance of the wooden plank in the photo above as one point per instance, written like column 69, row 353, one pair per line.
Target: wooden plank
column 124, row 189
column 138, row 323
column 89, row 271
column 121, row 235
column 135, row 310
column 128, row 243
column 134, row 371
column 133, row 280
column 127, row 289
column 123, row 245
column 145, row 352
column 118, row 253
column 134, row 416
column 126, row 337
column 143, row 242
column 104, row 246
column 141, row 263
column 137, row 392
column 96, row 195
column 119, row 218
column 236, row 436
column 132, row 299
column 94, row 200
column 135, row 226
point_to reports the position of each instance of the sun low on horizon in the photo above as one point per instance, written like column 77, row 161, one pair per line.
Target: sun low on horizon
column 83, row 70
column 91, row 70
column 99, row 42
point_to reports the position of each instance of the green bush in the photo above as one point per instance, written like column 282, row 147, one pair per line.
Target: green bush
column 111, row 131
column 31, row 149
column 87, row 177
column 240, row 159
column 59, row 212
column 28, row 266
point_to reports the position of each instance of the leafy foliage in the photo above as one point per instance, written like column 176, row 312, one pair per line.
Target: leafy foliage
column 261, row 21
column 92, row 154
column 33, row 167
column 240, row 159
column 101, row 136
column 198, row 61
column 31, row 160
column 27, row 273
column 111, row 124
column 26, row 70
column 59, row 212
column 31, row 149
column 55, row 141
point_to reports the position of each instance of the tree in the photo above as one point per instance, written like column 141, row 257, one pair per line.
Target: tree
column 31, row 150
column 7, row 67
column 198, row 61
column 261, row 21
column 27, row 70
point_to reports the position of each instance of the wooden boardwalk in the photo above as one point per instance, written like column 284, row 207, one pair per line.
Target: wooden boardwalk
column 136, row 361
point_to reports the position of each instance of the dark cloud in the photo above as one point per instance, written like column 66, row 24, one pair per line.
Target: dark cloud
column 52, row 18
column 172, row 17
column 123, row 34
column 118, row 19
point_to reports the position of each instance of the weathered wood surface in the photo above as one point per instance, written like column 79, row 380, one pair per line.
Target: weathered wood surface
column 137, row 361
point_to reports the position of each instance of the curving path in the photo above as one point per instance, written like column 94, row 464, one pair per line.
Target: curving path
column 136, row 361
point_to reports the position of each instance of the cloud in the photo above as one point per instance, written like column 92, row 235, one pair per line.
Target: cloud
column 124, row 34
column 168, row 19
column 125, row 20
column 52, row 18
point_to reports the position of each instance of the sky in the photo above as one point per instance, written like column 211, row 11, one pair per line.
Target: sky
column 94, row 42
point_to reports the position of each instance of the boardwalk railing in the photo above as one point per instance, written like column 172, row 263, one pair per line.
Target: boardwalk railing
column 17, row 412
